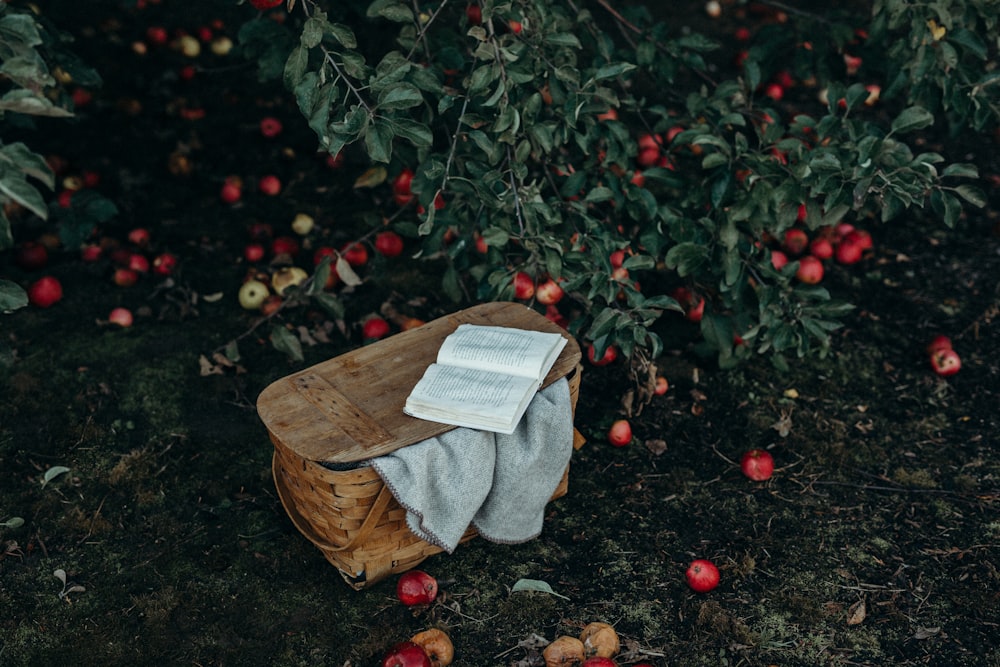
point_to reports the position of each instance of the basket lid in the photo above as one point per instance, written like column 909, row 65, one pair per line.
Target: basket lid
column 350, row 408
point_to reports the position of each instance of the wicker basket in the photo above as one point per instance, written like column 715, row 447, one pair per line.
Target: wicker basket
column 315, row 417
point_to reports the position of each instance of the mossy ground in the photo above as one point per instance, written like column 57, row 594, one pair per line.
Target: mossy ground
column 886, row 492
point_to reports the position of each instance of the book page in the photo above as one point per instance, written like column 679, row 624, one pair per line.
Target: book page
column 468, row 397
column 502, row 349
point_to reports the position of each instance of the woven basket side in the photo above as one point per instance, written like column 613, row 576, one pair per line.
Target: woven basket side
column 330, row 506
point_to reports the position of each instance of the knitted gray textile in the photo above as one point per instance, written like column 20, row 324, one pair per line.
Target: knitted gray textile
column 498, row 483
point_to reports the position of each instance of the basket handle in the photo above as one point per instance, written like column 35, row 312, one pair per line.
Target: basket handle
column 368, row 525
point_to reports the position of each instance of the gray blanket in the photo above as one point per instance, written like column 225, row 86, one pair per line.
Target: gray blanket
column 498, row 483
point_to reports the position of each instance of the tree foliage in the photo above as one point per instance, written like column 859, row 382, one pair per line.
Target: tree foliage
column 525, row 122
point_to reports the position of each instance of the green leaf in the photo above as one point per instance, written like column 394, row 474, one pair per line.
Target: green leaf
column 343, row 34
column 961, row 170
column 451, row 285
column 714, row 160
column 401, row 95
column 972, row 194
column 27, row 102
column 14, row 186
column 535, row 585
column 232, row 351
column 392, row 10
column 567, row 39
column 378, row 141
column 686, row 258
column 295, row 67
column 416, row 133
column 312, row 32
column 12, row 296
column 330, row 304
column 912, row 118
column 29, row 162
column 599, row 194
column 613, row 70
column 285, row 341
column 52, row 473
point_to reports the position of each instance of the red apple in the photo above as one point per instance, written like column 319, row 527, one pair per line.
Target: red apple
column 401, row 192
column 375, row 328
column 620, row 433
column 474, row 14
column 552, row 314
column 821, row 248
column 138, row 263
column 810, row 270
column 157, row 35
column 164, row 264
column 524, row 285
column 662, row 386
column 416, row 587
column 389, row 244
column 778, row 260
column 355, row 254
column 31, row 256
column 693, row 305
column 45, row 291
column 261, row 231
column 232, row 190
column 610, row 354
column 774, row 91
column 515, row 27
column 124, row 277
column 139, row 236
column 271, row 304
column 270, row 127
column 757, row 464
column 265, row 4
column 617, row 258
column 796, row 241
column 946, row 362
column 270, row 185
column 847, row 252
column 91, row 252
column 549, row 292
column 323, row 252
column 860, row 237
column 648, row 157
column 406, row 654
column 938, row 344
column 121, row 316
column 702, row 575
column 598, row 661
column 335, row 161
column 254, row 252
column 285, row 245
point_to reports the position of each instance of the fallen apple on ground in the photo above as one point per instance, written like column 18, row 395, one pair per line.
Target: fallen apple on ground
column 121, row 316
column 252, row 294
column 437, row 645
column 702, row 575
column 600, row 639
column 946, row 362
column 45, row 291
column 757, row 464
column 564, row 650
column 406, row 654
column 620, row 433
column 375, row 328
column 416, row 587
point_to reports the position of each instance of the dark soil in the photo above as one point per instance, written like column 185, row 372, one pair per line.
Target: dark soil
column 876, row 542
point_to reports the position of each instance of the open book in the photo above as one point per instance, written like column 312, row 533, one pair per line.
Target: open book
column 484, row 377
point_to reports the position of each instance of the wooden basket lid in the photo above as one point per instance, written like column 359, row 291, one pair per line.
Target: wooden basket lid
column 350, row 408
